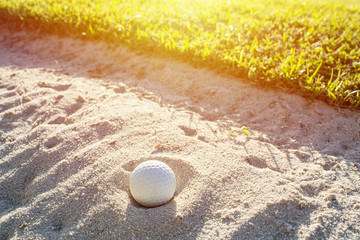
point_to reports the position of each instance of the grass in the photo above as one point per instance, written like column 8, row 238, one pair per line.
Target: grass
column 310, row 48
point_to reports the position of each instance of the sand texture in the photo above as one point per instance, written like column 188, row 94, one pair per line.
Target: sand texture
column 76, row 117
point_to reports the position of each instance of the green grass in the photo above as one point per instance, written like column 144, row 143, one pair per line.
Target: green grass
column 312, row 49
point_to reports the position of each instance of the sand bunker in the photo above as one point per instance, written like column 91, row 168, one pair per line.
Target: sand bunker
column 76, row 117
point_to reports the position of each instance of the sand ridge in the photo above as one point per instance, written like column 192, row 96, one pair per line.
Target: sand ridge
column 76, row 117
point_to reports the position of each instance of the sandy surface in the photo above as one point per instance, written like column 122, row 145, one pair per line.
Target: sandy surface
column 76, row 117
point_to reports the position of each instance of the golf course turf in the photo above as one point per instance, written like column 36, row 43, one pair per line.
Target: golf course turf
column 309, row 48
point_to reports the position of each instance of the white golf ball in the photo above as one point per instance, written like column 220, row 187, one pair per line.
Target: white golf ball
column 152, row 183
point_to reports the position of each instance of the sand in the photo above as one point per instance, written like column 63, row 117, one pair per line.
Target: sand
column 76, row 117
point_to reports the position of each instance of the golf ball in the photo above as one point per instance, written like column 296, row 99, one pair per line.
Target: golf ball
column 152, row 183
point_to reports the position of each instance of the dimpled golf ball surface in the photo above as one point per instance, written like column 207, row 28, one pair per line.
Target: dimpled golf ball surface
column 152, row 183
